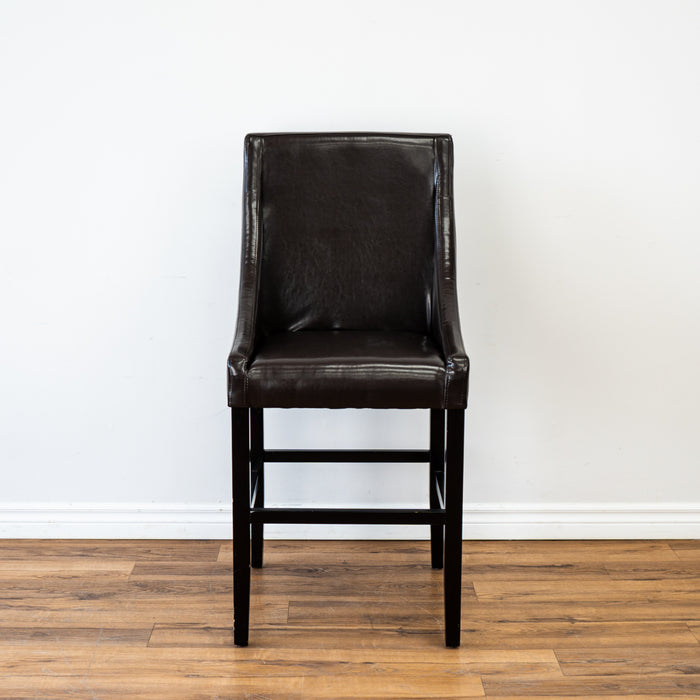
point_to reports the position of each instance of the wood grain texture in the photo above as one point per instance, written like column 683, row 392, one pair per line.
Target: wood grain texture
column 651, row 661
column 688, row 686
column 342, row 620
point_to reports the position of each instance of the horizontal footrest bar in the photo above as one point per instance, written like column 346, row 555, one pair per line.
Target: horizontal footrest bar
column 349, row 516
column 346, row 456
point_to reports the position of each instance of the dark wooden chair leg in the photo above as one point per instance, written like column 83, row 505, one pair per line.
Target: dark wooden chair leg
column 241, row 525
column 437, row 477
column 453, row 525
column 258, row 472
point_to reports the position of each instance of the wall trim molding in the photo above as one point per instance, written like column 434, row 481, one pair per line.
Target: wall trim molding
column 481, row 521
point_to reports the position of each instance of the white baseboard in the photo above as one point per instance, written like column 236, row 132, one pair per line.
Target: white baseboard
column 481, row 521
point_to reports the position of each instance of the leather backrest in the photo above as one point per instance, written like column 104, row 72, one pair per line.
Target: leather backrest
column 347, row 229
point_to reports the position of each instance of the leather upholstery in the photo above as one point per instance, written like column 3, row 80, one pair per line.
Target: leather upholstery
column 348, row 291
column 347, row 240
column 347, row 369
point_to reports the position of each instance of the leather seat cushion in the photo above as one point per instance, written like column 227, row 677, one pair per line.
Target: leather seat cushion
column 346, row 369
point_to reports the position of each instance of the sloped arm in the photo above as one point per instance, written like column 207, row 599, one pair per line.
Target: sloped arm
column 446, row 324
column 244, row 339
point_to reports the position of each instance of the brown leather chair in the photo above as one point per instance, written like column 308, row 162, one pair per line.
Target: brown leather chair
column 348, row 300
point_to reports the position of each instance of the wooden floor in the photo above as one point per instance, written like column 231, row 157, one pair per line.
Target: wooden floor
column 152, row 619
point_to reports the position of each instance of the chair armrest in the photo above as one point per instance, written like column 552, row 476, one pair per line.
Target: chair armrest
column 456, row 359
column 446, row 324
column 244, row 340
column 240, row 355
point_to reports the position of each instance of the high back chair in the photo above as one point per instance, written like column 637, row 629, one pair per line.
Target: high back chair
column 348, row 300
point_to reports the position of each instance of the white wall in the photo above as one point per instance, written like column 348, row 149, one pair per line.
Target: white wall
column 577, row 177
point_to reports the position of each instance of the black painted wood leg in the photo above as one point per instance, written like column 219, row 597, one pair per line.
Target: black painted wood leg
column 437, row 478
column 258, row 471
column 453, row 525
column 241, row 525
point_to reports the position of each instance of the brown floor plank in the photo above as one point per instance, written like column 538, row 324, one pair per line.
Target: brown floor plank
column 566, row 635
column 564, row 591
column 63, row 566
column 426, row 612
column 650, row 571
column 323, row 678
column 89, row 587
column 649, row 661
column 271, row 688
column 534, row 572
column 163, row 686
column 132, row 550
column 140, row 613
column 33, row 638
column 414, row 680
column 561, row 552
column 179, row 568
column 641, row 687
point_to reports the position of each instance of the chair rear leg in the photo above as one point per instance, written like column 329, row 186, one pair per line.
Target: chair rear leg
column 258, row 471
column 453, row 526
column 241, row 525
column 437, row 477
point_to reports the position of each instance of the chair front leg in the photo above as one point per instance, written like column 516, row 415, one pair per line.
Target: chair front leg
column 241, row 525
column 437, row 480
column 258, row 471
column 453, row 526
